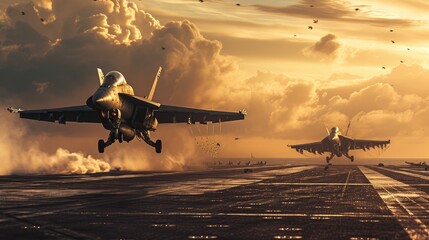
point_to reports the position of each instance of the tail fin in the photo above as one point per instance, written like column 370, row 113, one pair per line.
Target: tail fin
column 100, row 76
column 348, row 127
column 155, row 82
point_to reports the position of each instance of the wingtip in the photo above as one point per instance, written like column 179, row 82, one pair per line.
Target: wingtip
column 14, row 110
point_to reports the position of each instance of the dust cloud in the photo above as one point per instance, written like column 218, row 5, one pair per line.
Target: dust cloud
column 19, row 155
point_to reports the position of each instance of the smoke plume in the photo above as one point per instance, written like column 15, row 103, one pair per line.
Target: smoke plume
column 18, row 155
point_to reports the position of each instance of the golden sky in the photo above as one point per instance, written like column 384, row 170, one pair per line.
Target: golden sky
column 363, row 61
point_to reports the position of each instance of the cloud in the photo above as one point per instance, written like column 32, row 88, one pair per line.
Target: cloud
column 84, row 35
column 334, row 10
column 326, row 46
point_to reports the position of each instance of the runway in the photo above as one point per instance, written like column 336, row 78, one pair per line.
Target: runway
column 269, row 202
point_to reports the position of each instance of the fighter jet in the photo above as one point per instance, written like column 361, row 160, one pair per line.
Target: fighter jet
column 338, row 145
column 420, row 164
column 125, row 115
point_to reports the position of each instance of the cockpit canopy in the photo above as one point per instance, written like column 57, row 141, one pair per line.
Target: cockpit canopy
column 335, row 130
column 114, row 78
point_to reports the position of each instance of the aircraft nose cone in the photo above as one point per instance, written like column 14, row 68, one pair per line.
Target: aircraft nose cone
column 102, row 100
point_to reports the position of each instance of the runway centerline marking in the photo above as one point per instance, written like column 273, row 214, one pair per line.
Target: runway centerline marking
column 345, row 185
column 401, row 200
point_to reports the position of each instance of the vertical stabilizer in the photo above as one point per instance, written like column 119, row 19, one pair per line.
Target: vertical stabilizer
column 348, row 127
column 155, row 82
column 100, row 76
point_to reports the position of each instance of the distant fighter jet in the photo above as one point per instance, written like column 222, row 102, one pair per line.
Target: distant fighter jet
column 420, row 164
column 338, row 145
column 125, row 115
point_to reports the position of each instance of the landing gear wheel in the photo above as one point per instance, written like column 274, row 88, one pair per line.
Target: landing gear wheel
column 427, row 168
column 326, row 167
column 327, row 160
column 158, row 146
column 352, row 158
column 120, row 137
column 101, row 146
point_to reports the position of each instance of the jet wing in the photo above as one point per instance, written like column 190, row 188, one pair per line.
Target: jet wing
column 173, row 114
column 315, row 147
column 363, row 144
column 62, row 115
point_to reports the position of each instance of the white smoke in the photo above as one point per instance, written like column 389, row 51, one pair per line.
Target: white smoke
column 20, row 156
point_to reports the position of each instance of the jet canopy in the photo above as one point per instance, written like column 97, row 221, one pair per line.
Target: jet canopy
column 114, row 78
column 335, row 130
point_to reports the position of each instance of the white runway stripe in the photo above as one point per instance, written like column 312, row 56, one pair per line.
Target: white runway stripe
column 409, row 205
column 421, row 176
column 203, row 185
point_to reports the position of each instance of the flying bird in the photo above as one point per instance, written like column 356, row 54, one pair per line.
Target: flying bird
column 238, row 4
column 201, row 1
column 357, row 9
column 315, row 20
column 163, row 48
column 311, row 5
column 42, row 19
column 22, row 13
column 402, row 61
column 383, row 67
column 392, row 41
column 408, row 49
column 310, row 27
column 236, row 138
column 391, row 30
column 294, row 35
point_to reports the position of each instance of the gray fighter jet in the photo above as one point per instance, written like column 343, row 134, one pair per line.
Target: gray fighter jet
column 420, row 164
column 338, row 145
column 125, row 115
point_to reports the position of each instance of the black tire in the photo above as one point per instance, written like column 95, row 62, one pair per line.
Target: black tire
column 352, row 158
column 158, row 146
column 120, row 137
column 427, row 168
column 100, row 146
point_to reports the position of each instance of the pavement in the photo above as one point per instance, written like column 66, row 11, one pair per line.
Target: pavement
column 268, row 202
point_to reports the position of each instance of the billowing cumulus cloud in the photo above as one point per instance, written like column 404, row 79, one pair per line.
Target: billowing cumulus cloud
column 59, row 57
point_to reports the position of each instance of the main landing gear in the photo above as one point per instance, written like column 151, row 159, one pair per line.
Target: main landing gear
column 114, row 135
column 352, row 158
column 145, row 135
column 327, row 161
